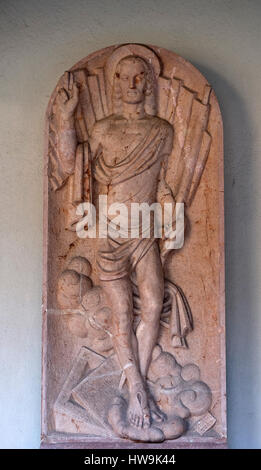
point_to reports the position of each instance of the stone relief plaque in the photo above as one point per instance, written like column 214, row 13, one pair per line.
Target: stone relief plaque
column 133, row 294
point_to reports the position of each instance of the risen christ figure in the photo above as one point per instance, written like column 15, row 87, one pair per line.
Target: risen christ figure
column 129, row 149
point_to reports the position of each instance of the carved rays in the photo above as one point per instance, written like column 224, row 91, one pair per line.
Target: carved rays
column 180, row 106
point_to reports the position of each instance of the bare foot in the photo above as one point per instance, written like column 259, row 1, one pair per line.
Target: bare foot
column 138, row 409
column 155, row 412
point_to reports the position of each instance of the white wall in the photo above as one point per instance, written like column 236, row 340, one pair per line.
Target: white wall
column 38, row 41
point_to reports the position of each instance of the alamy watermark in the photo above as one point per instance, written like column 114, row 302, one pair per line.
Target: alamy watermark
column 134, row 220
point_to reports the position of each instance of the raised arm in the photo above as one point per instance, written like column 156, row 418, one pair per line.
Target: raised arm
column 99, row 131
column 67, row 101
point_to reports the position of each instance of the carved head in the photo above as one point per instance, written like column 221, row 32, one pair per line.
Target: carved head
column 134, row 83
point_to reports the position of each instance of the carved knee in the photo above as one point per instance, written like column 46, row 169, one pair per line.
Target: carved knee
column 152, row 310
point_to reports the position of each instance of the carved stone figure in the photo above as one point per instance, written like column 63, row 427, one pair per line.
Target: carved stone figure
column 129, row 131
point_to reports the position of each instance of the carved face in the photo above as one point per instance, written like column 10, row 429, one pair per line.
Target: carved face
column 132, row 80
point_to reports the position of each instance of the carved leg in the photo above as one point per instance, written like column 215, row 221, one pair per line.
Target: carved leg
column 119, row 293
column 151, row 289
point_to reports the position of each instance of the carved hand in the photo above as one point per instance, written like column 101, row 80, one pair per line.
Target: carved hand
column 68, row 96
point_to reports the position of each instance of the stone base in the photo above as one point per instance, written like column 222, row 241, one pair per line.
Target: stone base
column 68, row 442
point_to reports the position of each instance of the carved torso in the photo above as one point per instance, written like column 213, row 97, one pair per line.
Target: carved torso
column 120, row 139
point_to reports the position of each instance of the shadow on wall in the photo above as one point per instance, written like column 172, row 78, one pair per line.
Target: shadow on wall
column 242, row 335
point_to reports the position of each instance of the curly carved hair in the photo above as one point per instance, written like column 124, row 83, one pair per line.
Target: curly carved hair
column 150, row 89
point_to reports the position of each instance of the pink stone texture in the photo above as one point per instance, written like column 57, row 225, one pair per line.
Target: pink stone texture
column 133, row 327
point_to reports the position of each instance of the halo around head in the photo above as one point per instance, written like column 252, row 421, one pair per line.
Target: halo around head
column 128, row 50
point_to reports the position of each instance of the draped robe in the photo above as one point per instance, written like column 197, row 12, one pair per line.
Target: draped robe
column 132, row 179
